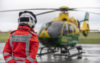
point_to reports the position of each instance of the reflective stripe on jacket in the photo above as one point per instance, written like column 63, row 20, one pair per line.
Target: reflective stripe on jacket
column 22, row 46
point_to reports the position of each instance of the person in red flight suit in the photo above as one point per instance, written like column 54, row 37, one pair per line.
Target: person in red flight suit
column 22, row 45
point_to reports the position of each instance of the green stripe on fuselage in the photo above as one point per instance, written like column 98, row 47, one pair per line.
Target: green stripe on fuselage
column 68, row 40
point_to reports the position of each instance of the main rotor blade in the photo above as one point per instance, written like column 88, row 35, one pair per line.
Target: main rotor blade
column 28, row 9
column 93, row 13
column 60, row 9
column 46, row 12
column 87, row 8
column 88, row 12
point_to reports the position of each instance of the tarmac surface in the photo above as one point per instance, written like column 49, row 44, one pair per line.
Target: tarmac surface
column 91, row 55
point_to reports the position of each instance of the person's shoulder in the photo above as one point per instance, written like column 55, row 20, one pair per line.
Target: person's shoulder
column 33, row 33
column 12, row 32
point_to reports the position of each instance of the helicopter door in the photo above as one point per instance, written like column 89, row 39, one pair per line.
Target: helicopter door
column 74, row 29
column 70, row 28
column 65, row 29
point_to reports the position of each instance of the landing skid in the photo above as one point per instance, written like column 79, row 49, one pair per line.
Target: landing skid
column 64, row 51
column 48, row 51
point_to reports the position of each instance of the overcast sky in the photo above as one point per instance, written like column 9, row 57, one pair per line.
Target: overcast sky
column 9, row 20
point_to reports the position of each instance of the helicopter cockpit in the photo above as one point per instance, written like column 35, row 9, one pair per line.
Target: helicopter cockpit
column 58, row 28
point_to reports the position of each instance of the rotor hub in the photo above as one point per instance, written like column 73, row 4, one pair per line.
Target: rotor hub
column 64, row 8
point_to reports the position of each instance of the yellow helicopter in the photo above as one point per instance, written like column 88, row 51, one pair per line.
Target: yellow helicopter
column 62, row 33
column 63, row 30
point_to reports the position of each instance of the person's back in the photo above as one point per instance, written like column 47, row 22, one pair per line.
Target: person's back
column 22, row 45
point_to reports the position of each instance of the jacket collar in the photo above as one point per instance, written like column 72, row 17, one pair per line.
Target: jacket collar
column 24, row 28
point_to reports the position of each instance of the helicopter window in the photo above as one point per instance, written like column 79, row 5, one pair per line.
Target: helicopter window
column 45, row 26
column 48, row 24
column 70, row 28
column 55, row 28
column 65, row 30
column 78, row 24
column 74, row 29
column 42, row 28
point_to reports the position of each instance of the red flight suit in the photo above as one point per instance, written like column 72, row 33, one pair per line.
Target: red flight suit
column 21, row 46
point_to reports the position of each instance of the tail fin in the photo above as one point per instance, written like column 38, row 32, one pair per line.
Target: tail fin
column 86, row 16
column 85, row 27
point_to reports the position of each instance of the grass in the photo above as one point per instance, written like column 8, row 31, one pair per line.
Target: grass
column 92, row 38
column 4, row 36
